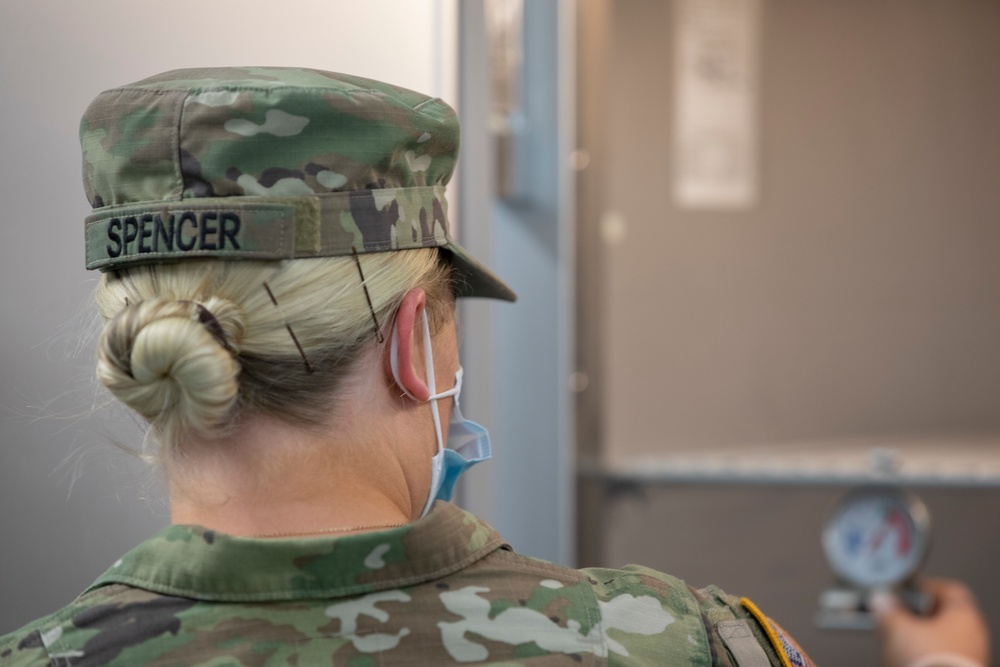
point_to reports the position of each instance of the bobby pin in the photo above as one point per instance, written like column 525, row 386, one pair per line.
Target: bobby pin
column 368, row 298
column 291, row 333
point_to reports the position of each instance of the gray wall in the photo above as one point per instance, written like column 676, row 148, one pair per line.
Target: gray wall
column 860, row 298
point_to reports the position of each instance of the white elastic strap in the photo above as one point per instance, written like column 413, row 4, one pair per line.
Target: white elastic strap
column 432, row 399
column 431, row 385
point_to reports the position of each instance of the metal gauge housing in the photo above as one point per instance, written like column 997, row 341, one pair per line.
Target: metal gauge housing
column 877, row 538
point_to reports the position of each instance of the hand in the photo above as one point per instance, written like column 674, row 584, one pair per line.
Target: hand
column 957, row 627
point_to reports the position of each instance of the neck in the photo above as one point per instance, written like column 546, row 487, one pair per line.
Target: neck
column 270, row 478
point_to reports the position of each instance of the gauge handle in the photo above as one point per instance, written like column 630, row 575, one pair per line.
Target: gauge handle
column 917, row 601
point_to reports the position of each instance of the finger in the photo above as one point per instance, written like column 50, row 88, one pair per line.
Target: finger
column 949, row 593
column 883, row 604
column 891, row 617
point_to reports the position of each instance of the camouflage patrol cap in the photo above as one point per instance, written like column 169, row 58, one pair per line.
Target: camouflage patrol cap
column 269, row 163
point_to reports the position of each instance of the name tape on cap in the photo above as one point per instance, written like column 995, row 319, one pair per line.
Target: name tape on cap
column 123, row 237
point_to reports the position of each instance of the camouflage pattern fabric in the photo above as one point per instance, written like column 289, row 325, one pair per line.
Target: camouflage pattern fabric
column 444, row 590
column 269, row 163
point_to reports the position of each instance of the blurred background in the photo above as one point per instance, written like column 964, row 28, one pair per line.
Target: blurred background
column 755, row 242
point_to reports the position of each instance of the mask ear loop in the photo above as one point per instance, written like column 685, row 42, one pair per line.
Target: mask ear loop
column 431, row 385
column 438, row 459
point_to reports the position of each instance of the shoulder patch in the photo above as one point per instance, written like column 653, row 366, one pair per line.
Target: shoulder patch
column 789, row 652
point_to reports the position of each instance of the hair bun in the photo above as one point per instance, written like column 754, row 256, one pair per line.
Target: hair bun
column 174, row 363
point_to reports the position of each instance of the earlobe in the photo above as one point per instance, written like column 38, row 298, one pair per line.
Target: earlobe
column 408, row 342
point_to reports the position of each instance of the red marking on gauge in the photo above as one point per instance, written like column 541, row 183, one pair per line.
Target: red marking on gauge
column 898, row 521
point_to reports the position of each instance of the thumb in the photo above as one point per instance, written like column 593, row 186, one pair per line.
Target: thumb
column 882, row 602
column 885, row 605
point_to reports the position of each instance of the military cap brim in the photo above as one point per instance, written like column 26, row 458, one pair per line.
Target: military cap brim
column 474, row 279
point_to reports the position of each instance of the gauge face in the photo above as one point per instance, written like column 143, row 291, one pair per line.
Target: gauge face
column 877, row 538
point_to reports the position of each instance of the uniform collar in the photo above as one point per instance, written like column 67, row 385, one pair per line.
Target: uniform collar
column 194, row 562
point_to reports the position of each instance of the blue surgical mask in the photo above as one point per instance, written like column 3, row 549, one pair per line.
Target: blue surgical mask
column 468, row 442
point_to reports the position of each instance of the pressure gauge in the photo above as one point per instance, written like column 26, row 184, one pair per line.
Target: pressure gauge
column 877, row 538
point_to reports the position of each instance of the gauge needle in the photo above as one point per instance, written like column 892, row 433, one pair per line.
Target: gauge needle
column 879, row 537
column 899, row 523
column 894, row 521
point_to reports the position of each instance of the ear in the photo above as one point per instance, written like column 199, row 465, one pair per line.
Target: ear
column 409, row 329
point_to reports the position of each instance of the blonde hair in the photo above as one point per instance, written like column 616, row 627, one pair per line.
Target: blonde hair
column 194, row 345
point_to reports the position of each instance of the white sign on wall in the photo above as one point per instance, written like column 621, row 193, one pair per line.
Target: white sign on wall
column 715, row 131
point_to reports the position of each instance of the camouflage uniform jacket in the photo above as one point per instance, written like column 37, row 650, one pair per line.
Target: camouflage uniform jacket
column 444, row 590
